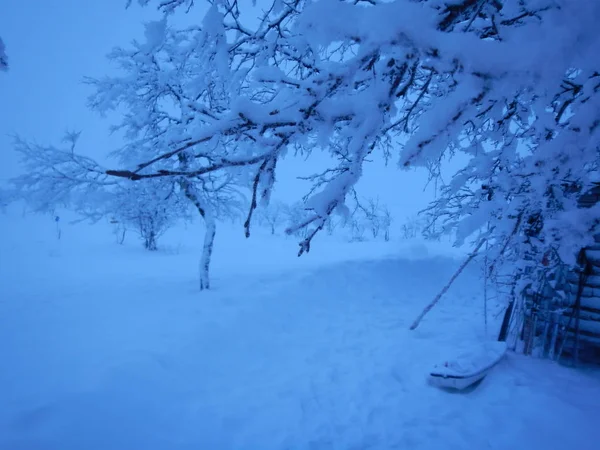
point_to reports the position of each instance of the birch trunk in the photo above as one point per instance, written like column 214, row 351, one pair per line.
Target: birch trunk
column 207, row 248
column 209, row 234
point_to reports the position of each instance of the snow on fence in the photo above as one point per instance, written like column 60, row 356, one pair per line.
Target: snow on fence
column 562, row 319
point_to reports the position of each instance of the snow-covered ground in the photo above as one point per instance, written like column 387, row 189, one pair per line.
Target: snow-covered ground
column 111, row 347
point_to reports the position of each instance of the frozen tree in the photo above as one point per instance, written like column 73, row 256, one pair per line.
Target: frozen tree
column 215, row 197
column 367, row 215
column 358, row 228
column 119, row 229
column 296, row 213
column 373, row 215
column 532, row 143
column 511, row 85
column 412, row 227
column 173, row 82
column 58, row 177
column 386, row 222
column 150, row 207
column 331, row 225
column 273, row 215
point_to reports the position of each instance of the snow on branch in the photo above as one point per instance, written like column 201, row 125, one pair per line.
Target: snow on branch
column 497, row 82
column 55, row 175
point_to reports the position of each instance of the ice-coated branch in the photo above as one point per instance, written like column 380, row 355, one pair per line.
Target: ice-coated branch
column 162, row 173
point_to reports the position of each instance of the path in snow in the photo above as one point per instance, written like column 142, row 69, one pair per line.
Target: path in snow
column 115, row 349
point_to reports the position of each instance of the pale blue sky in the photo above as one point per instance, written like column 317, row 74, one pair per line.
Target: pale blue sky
column 52, row 45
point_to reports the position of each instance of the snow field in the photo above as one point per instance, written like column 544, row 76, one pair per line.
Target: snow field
column 111, row 347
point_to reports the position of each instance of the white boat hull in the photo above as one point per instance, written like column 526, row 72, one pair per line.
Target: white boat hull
column 468, row 367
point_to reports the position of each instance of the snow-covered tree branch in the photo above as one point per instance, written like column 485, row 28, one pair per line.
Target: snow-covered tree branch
column 512, row 85
column 55, row 176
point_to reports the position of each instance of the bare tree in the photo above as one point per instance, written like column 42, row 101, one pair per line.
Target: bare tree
column 273, row 215
column 386, row 223
column 331, row 225
column 369, row 214
column 119, row 230
column 296, row 213
column 411, row 228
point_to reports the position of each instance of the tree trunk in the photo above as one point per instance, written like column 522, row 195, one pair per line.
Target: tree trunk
column 209, row 240
column 122, row 239
column 150, row 243
column 209, row 235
